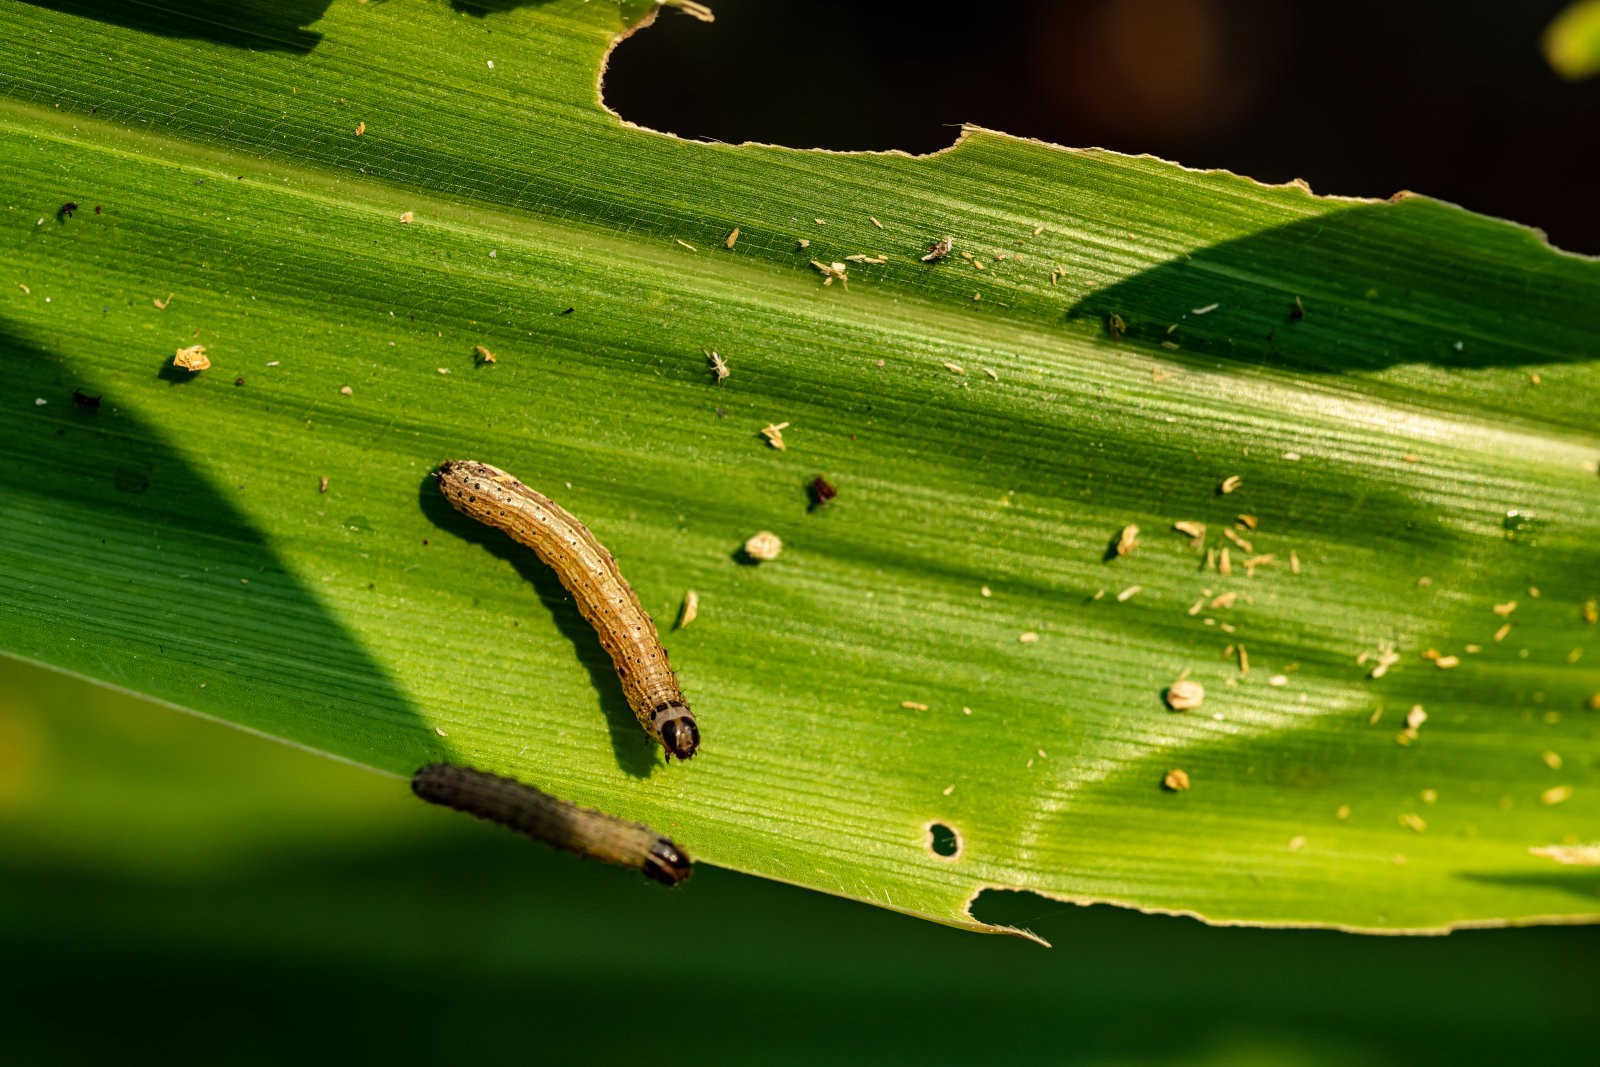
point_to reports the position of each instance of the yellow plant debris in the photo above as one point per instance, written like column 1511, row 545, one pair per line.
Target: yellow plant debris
column 690, row 610
column 192, row 359
column 763, row 546
column 1572, row 855
column 1558, row 794
column 830, row 271
column 1127, row 540
column 1184, row 694
column 773, row 432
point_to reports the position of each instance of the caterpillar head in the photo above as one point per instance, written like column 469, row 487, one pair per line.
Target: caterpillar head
column 667, row 863
column 680, row 736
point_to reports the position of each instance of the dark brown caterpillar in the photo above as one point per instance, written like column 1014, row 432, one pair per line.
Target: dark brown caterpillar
column 588, row 572
column 555, row 822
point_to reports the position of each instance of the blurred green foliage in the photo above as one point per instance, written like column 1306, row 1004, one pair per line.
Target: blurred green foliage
column 174, row 890
column 1572, row 41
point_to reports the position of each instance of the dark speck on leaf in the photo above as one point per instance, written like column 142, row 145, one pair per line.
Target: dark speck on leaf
column 821, row 491
column 569, row 311
column 238, row 381
column 97, row 209
column 128, row 480
column 85, row 401
column 1297, row 312
column 64, row 212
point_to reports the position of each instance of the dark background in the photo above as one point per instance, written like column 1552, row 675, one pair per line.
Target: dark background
column 176, row 892
column 1358, row 97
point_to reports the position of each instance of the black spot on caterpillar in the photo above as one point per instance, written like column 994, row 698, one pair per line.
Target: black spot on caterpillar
column 604, row 598
column 555, row 822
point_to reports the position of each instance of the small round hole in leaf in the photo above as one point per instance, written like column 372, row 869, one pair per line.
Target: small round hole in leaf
column 943, row 840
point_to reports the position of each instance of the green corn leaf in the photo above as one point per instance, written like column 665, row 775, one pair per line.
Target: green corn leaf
column 342, row 203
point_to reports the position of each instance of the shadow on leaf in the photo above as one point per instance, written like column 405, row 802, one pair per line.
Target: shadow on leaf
column 635, row 751
column 259, row 25
column 238, row 633
column 1310, row 296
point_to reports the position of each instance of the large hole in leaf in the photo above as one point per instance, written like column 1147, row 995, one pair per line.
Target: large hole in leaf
column 1316, row 89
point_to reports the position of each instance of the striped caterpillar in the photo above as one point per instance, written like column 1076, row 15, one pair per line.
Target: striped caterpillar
column 555, row 822
column 603, row 596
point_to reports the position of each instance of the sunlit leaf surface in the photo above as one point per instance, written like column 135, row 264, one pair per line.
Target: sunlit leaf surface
column 342, row 202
